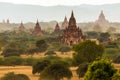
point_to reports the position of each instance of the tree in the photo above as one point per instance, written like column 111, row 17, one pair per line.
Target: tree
column 40, row 66
column 42, row 45
column 64, row 49
column 100, row 70
column 82, row 69
column 103, row 37
column 12, row 49
column 12, row 76
column 87, row 51
column 55, row 72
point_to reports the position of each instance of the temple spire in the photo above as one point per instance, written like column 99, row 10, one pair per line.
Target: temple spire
column 72, row 14
column 72, row 21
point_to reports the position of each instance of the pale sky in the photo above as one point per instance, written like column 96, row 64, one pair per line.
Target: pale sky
column 61, row 2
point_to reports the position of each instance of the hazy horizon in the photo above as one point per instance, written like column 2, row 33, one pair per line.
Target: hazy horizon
column 61, row 2
column 83, row 13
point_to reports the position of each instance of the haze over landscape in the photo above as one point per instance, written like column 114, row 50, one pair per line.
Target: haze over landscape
column 83, row 12
column 59, row 39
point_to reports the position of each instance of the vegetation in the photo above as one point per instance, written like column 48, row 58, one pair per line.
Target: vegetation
column 42, row 45
column 87, row 51
column 116, row 76
column 40, row 66
column 50, row 53
column 55, row 72
column 100, row 70
column 12, row 76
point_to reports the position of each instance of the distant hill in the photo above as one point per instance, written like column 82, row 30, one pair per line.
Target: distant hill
column 83, row 13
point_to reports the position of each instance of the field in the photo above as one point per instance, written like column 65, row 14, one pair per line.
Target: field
column 28, row 71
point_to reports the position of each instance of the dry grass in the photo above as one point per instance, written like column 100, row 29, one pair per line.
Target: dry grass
column 28, row 71
column 18, row 70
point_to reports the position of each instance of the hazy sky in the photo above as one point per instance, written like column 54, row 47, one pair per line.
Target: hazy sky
column 61, row 2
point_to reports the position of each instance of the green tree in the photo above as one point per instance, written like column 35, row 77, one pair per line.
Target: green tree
column 12, row 76
column 40, row 66
column 42, row 45
column 100, row 70
column 87, row 51
column 55, row 72
column 12, row 49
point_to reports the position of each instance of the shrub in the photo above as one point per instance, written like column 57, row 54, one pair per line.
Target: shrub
column 31, row 61
column 12, row 76
column 13, row 60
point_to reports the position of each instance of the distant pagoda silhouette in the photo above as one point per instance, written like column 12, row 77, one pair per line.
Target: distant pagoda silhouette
column 57, row 28
column 72, row 34
column 102, row 20
column 37, row 30
column 21, row 27
column 65, row 23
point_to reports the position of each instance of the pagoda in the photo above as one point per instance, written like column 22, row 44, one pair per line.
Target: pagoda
column 65, row 23
column 72, row 34
column 37, row 30
column 21, row 27
column 57, row 28
column 102, row 20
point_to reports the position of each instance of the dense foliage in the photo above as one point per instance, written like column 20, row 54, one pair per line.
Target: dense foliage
column 100, row 70
column 87, row 51
column 55, row 72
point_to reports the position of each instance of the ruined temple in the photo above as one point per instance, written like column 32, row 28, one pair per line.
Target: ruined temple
column 65, row 23
column 37, row 30
column 72, row 34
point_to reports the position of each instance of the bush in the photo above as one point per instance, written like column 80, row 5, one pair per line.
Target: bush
column 31, row 61
column 12, row 76
column 13, row 60
column 100, row 70
column 10, row 52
